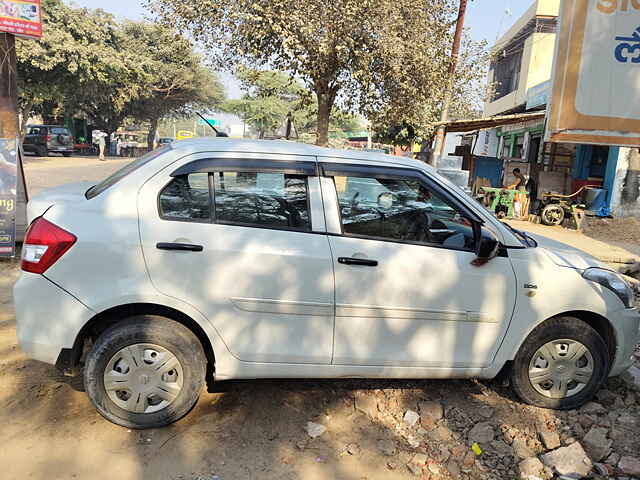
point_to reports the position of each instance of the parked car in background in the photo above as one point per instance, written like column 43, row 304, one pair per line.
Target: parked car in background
column 216, row 259
column 45, row 139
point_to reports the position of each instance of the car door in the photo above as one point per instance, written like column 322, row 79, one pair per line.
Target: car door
column 243, row 239
column 407, row 293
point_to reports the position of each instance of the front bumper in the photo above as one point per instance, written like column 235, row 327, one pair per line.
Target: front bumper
column 48, row 319
column 627, row 327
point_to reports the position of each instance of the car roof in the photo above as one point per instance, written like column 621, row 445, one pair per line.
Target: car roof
column 222, row 144
column 48, row 126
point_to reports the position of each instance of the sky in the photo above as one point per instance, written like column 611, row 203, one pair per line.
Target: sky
column 487, row 20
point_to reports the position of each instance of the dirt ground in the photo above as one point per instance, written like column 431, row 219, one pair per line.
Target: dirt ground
column 257, row 430
column 616, row 229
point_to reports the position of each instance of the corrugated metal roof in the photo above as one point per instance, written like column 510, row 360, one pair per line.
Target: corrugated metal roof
column 490, row 122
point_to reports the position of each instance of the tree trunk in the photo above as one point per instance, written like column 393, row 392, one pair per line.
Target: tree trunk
column 23, row 118
column 151, row 137
column 8, row 87
column 325, row 102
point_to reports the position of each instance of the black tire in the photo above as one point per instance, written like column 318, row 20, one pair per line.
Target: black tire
column 43, row 152
column 66, row 154
column 555, row 329
column 176, row 338
column 552, row 215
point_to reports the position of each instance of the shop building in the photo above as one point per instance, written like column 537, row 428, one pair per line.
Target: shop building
column 511, row 132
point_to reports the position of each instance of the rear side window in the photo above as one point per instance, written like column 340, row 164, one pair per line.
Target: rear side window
column 262, row 199
column 34, row 131
column 186, row 198
column 60, row 131
column 124, row 171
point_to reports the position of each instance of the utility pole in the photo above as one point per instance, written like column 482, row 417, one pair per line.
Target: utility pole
column 444, row 116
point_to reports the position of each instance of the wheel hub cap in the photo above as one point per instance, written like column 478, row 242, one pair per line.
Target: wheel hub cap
column 143, row 378
column 561, row 368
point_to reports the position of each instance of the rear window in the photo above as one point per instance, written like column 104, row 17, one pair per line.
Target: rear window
column 60, row 131
column 124, row 171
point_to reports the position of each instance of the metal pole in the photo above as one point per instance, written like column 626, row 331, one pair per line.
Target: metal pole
column 444, row 116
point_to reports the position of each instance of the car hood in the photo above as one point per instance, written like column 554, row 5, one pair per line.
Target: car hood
column 567, row 256
column 69, row 193
column 573, row 259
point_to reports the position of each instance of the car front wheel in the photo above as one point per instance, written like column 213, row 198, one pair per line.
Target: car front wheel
column 145, row 372
column 561, row 365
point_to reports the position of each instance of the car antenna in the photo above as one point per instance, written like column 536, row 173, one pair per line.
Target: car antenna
column 218, row 133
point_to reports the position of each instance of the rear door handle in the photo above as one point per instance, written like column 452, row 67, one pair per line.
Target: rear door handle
column 357, row 261
column 185, row 247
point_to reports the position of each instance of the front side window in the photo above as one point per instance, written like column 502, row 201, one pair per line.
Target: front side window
column 186, row 198
column 262, row 199
column 401, row 209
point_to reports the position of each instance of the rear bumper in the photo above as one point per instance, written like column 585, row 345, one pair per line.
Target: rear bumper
column 48, row 319
column 627, row 326
column 60, row 149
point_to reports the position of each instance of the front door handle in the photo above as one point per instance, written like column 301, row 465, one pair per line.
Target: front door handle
column 357, row 261
column 185, row 247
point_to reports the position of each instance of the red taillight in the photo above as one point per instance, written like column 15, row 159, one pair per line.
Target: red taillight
column 43, row 245
column 49, row 138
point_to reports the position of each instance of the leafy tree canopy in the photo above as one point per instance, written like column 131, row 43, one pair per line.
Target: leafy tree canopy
column 269, row 96
column 386, row 59
column 89, row 62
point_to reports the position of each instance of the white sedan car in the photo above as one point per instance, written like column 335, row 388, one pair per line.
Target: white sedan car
column 215, row 259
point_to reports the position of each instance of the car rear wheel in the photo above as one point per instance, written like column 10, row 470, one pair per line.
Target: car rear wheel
column 561, row 364
column 66, row 154
column 43, row 152
column 145, row 372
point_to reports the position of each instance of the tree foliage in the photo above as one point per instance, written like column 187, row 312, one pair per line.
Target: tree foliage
column 269, row 96
column 88, row 62
column 386, row 59
column 175, row 82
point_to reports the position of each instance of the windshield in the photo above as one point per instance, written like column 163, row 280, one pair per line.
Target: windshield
column 124, row 171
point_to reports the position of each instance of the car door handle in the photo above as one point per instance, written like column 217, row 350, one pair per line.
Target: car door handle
column 185, row 247
column 357, row 261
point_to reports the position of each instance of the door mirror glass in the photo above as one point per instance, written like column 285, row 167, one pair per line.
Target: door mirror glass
column 488, row 247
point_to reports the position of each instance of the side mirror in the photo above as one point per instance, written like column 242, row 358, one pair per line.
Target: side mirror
column 487, row 248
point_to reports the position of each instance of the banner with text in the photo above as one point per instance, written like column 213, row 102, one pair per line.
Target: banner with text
column 21, row 17
column 8, row 196
column 596, row 74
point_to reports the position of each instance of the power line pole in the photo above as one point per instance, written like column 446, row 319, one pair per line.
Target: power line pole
column 444, row 116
